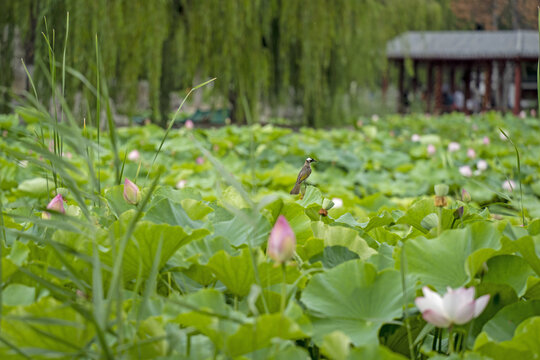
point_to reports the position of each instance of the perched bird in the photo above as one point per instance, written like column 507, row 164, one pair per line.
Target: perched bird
column 302, row 175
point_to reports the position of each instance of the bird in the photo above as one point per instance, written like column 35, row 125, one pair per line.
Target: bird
column 302, row 175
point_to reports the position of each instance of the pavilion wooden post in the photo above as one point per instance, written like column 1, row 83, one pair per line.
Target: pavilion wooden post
column 415, row 77
column 384, row 86
column 467, row 89
column 429, row 86
column 438, row 88
column 500, row 89
column 486, row 101
column 517, row 87
column 401, row 86
column 452, row 80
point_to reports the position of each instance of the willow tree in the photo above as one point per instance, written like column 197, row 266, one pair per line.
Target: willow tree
column 271, row 52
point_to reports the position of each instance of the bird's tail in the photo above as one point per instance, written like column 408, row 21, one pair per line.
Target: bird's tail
column 296, row 189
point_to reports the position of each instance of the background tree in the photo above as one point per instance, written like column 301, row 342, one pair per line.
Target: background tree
column 312, row 54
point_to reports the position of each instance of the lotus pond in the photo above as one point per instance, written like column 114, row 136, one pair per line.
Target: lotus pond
column 179, row 268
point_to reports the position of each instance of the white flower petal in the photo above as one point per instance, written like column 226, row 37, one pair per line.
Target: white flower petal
column 436, row 319
column 480, row 304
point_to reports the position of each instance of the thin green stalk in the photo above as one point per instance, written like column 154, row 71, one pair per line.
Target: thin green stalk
column 283, row 288
column 403, row 270
column 450, row 340
column 172, row 123
column 439, row 220
column 98, row 117
column 519, row 176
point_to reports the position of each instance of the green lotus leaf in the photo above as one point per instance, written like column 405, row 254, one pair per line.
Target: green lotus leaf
column 503, row 325
column 453, row 258
column 342, row 236
column 143, row 245
column 508, row 269
column 355, row 299
column 46, row 326
column 523, row 345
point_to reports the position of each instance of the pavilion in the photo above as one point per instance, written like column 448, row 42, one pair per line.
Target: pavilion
column 475, row 55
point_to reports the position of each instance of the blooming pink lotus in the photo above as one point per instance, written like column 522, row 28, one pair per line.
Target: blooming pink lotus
column 134, row 155
column 465, row 170
column 486, row 140
column 431, row 149
column 181, row 184
column 453, row 146
column 56, row 204
column 415, row 138
column 471, row 154
column 200, row 160
column 482, row 165
column 455, row 307
column 338, row 202
column 509, row 185
column 189, row 124
column 131, row 192
column 282, row 242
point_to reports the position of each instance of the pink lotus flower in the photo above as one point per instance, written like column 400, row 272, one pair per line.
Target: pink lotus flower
column 453, row 146
column 337, row 202
column 431, row 149
column 415, row 138
column 181, row 184
column 200, row 160
column 56, row 205
column 471, row 154
column 282, row 242
column 482, row 165
column 509, row 185
column 189, row 124
column 465, row 170
column 522, row 114
column 533, row 113
column 485, row 140
column 131, row 192
column 134, row 155
column 455, row 307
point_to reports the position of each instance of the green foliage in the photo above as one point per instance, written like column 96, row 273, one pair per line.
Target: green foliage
column 184, row 272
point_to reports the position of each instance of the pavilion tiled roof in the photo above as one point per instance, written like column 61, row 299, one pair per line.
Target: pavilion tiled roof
column 464, row 45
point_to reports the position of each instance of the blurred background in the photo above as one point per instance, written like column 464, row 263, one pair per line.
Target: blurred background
column 317, row 63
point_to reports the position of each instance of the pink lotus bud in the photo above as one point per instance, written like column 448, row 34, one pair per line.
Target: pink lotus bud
column 465, row 170
column 453, row 146
column 522, row 114
column 415, row 138
column 482, row 165
column 471, row 154
column 131, row 192
column 134, row 155
column 56, row 205
column 509, row 185
column 200, row 160
column 181, row 184
column 282, row 242
column 431, row 149
column 189, row 124
column 485, row 140
column 465, row 196
column 455, row 307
